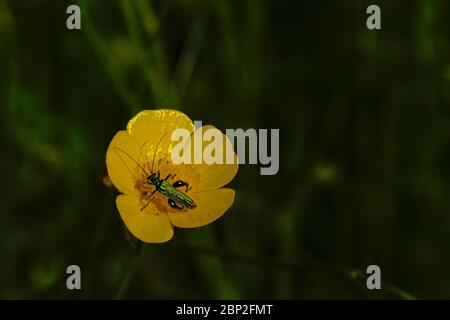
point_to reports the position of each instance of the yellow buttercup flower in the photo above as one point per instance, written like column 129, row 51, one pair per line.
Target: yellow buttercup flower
column 145, row 148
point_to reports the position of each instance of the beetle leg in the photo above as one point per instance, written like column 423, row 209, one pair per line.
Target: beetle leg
column 146, row 205
column 174, row 205
column 181, row 183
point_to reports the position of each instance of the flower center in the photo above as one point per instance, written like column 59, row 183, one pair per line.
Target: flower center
column 169, row 172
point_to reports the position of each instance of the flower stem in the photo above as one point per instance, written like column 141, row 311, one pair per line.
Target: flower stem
column 353, row 276
column 398, row 291
column 129, row 274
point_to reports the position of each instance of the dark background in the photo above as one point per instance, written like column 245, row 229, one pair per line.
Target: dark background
column 364, row 146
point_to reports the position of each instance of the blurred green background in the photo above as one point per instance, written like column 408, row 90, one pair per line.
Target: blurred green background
column 364, row 146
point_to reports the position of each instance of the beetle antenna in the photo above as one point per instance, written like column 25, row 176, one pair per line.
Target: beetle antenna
column 156, row 150
column 140, row 151
column 128, row 155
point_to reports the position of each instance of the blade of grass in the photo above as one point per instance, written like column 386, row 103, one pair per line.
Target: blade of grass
column 106, row 57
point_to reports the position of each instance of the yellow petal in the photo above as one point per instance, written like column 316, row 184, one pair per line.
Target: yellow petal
column 147, row 225
column 122, row 168
column 211, row 205
column 214, row 176
column 149, row 126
